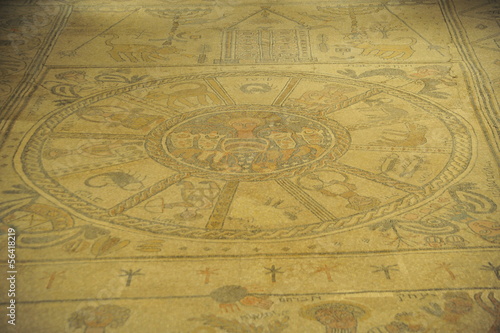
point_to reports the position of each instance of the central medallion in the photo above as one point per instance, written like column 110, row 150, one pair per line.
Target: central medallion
column 246, row 142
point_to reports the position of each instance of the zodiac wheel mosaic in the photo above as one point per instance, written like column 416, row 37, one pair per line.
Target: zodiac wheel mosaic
column 245, row 155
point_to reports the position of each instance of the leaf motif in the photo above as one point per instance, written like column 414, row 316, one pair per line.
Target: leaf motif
column 6, row 208
column 111, row 78
column 471, row 201
column 63, row 102
column 433, row 226
column 106, row 245
column 475, row 202
column 137, row 78
column 65, row 90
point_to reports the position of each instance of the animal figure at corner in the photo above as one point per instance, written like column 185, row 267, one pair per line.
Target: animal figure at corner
column 433, row 78
column 134, row 52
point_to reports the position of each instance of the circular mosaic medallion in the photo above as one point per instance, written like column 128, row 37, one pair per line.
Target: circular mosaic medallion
column 249, row 142
column 203, row 156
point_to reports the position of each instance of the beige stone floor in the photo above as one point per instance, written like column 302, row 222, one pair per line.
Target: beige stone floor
column 247, row 166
